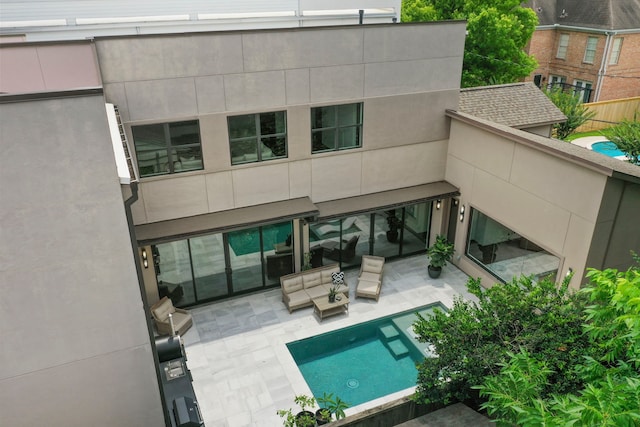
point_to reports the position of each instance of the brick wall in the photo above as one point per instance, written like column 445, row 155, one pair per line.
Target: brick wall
column 623, row 79
column 544, row 46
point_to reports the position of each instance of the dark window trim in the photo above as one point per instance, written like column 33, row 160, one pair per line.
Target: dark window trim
column 337, row 127
column 258, row 137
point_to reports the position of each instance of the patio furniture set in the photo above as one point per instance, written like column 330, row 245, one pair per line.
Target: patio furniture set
column 312, row 287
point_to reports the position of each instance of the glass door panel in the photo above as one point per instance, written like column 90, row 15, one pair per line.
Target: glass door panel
column 278, row 251
column 173, row 272
column 386, row 235
column 416, row 228
column 207, row 256
column 245, row 259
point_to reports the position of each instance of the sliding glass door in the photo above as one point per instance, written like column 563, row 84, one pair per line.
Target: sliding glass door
column 214, row 266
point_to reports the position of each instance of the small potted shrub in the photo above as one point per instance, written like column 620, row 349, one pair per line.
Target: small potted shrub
column 330, row 407
column 304, row 418
column 439, row 254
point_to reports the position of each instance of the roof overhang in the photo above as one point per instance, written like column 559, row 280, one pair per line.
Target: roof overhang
column 250, row 216
column 386, row 200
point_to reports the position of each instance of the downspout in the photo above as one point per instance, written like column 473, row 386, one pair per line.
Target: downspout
column 603, row 65
column 147, row 312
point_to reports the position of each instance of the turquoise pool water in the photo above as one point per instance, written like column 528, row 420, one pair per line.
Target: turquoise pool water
column 607, row 147
column 364, row 361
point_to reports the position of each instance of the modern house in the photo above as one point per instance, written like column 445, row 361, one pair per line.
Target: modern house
column 590, row 47
column 247, row 150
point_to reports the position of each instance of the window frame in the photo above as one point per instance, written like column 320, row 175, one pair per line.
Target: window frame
column 582, row 89
column 563, row 45
column 171, row 149
column 337, row 128
column 257, row 138
column 590, row 50
column 616, row 48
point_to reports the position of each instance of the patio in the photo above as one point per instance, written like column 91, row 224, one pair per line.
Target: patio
column 242, row 370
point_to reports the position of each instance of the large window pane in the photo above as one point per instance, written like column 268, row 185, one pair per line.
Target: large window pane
column 258, row 137
column 505, row 253
column 173, row 272
column 336, row 127
column 207, row 256
column 167, row 148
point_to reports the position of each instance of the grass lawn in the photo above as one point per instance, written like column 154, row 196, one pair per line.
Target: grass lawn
column 583, row 134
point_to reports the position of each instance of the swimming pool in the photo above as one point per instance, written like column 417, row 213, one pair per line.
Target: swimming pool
column 607, row 148
column 366, row 361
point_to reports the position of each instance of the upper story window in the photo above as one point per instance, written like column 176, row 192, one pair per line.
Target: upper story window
column 258, row 137
column 615, row 51
column 590, row 50
column 563, row 43
column 336, row 127
column 166, row 148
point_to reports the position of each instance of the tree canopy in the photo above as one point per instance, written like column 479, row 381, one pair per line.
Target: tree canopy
column 611, row 394
column 539, row 354
column 473, row 338
column 498, row 31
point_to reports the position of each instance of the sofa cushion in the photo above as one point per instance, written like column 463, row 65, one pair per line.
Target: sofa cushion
column 372, row 265
column 311, row 279
column 317, row 292
column 297, row 298
column 372, row 277
column 161, row 312
column 292, row 284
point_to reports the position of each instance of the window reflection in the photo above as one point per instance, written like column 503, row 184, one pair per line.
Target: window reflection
column 505, row 253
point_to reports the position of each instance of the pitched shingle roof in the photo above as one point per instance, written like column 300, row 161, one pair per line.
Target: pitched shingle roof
column 596, row 14
column 519, row 105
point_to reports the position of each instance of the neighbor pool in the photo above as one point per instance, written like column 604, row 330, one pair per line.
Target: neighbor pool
column 607, row 148
column 366, row 361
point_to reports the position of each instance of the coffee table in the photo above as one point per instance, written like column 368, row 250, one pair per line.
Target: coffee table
column 323, row 308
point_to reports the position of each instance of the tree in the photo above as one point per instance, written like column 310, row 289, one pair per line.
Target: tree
column 497, row 32
column 626, row 136
column 472, row 339
column 611, row 395
column 572, row 107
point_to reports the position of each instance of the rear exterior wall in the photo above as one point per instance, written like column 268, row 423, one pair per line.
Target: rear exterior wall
column 405, row 76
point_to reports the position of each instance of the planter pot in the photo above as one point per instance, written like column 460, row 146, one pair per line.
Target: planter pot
column 434, row 272
column 392, row 236
column 320, row 419
column 332, row 298
column 305, row 419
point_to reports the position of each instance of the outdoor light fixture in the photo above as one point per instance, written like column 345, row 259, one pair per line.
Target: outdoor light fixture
column 569, row 272
column 461, row 213
column 145, row 261
column 438, row 204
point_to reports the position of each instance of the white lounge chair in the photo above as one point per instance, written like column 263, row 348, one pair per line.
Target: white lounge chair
column 325, row 229
column 370, row 277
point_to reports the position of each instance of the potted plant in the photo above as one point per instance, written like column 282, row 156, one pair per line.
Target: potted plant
column 333, row 291
column 394, row 224
column 439, row 254
column 304, row 418
column 330, row 407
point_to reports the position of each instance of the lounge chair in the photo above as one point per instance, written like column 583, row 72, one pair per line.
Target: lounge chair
column 324, row 229
column 160, row 311
column 347, row 253
column 370, row 277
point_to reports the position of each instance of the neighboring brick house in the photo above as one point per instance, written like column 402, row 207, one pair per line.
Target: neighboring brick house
column 589, row 46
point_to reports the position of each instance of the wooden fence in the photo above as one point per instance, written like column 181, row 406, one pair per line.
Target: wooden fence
column 609, row 113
